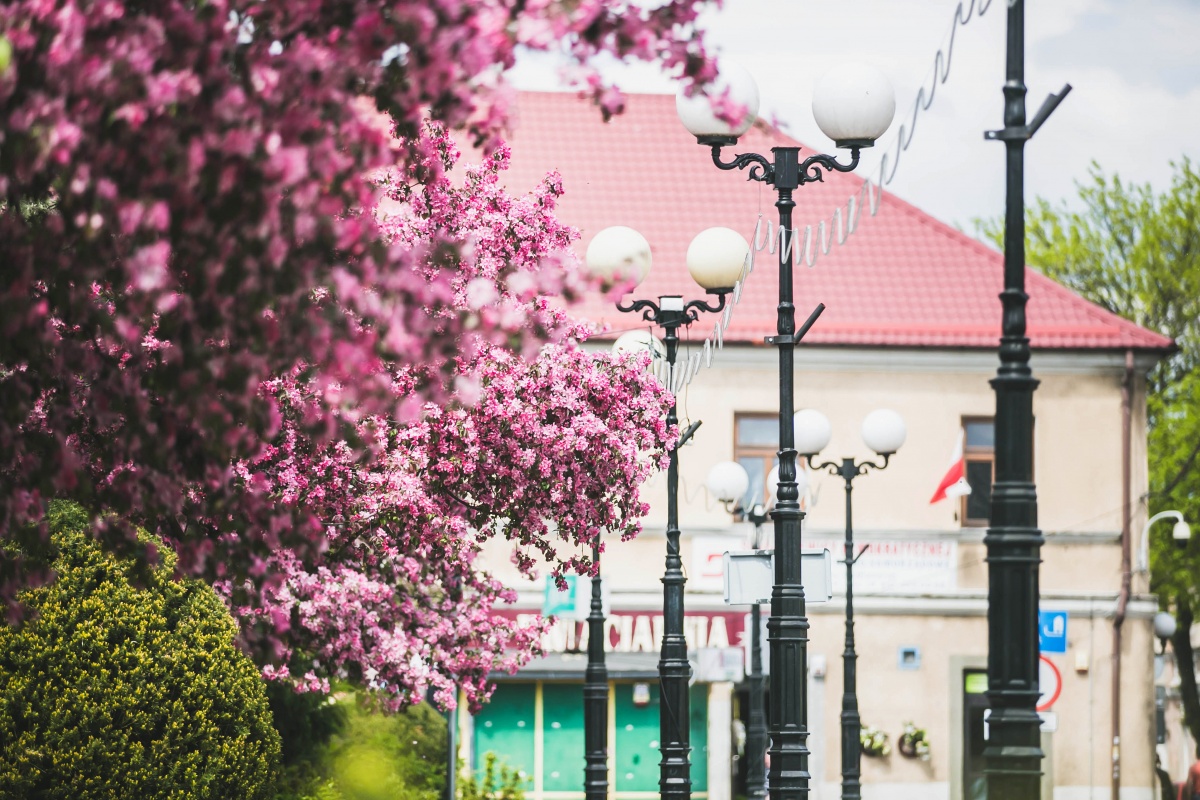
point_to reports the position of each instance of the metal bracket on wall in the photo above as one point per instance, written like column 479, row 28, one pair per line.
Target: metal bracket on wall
column 1027, row 131
column 795, row 338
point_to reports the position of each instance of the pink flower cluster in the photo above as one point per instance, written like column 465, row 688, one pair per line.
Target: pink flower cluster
column 186, row 211
column 552, row 454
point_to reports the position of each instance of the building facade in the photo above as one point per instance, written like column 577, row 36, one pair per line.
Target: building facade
column 911, row 324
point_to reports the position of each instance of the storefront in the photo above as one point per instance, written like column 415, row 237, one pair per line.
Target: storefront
column 534, row 722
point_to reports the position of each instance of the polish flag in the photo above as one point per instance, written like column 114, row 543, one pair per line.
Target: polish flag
column 954, row 483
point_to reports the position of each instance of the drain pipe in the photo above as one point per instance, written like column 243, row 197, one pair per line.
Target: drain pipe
column 1126, row 570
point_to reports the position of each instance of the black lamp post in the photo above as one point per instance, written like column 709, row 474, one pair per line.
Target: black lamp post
column 854, row 122
column 756, row 731
column 595, row 697
column 715, row 259
column 728, row 481
column 884, row 432
column 1013, row 755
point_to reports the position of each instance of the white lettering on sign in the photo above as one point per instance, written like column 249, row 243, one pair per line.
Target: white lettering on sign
column 634, row 633
column 894, row 565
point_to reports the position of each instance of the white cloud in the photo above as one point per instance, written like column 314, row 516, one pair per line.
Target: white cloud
column 1134, row 69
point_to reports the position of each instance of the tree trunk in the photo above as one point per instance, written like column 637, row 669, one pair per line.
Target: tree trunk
column 1185, row 662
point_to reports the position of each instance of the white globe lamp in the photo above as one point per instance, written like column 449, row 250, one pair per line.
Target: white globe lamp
column 727, row 481
column 773, row 485
column 639, row 341
column 1181, row 532
column 716, row 257
column 698, row 115
column 854, row 104
column 883, row 431
column 813, row 431
column 618, row 254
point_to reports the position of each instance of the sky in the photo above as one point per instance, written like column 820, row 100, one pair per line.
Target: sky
column 1133, row 65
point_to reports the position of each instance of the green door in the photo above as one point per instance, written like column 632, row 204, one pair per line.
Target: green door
column 505, row 726
column 636, row 746
column 562, row 737
column 636, row 750
column 698, row 711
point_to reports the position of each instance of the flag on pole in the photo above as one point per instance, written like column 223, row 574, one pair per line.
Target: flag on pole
column 954, row 482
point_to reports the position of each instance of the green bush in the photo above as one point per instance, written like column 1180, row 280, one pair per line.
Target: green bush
column 379, row 756
column 498, row 782
column 113, row 691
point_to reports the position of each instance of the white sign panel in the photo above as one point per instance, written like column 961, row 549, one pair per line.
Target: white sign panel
column 750, row 575
column 717, row 664
column 894, row 565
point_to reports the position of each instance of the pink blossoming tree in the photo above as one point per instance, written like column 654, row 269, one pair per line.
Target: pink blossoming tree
column 207, row 329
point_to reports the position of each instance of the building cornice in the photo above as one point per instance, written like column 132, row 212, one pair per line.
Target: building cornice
column 654, row 529
column 958, row 603
column 824, row 358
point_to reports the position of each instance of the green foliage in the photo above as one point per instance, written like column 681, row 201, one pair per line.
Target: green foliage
column 370, row 755
column 305, row 720
column 113, row 691
column 498, row 782
column 1137, row 253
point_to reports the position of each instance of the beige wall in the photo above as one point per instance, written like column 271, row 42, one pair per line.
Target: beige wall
column 1077, row 450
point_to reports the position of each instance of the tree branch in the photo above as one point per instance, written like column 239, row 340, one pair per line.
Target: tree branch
column 1185, row 662
column 1183, row 470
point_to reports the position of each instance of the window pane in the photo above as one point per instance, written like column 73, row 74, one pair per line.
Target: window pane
column 757, row 432
column 979, row 476
column 755, row 467
column 980, row 435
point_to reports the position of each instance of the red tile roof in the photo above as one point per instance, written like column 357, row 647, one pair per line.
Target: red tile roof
column 902, row 279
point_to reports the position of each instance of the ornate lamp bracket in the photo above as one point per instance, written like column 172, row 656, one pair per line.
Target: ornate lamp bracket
column 654, row 314
column 786, row 172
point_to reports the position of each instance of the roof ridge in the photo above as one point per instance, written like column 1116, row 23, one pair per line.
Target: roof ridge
column 907, row 271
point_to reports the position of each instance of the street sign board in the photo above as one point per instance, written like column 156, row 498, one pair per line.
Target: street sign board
column 556, row 602
column 1049, row 683
column 750, row 575
column 575, row 602
column 1052, row 631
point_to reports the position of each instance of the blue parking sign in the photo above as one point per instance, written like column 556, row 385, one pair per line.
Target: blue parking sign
column 1052, row 631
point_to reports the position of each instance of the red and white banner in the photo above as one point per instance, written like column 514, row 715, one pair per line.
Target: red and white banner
column 954, row 482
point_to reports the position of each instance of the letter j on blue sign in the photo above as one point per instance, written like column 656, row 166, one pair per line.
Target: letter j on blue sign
column 1052, row 631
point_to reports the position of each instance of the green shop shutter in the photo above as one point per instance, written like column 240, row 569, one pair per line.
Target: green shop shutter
column 636, row 748
column 562, row 737
column 505, row 726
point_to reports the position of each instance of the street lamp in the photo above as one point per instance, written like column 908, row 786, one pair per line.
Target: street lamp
column 1013, row 754
column 1164, row 628
column 715, row 259
column 853, row 106
column 1181, row 532
column 595, row 696
column 728, row 481
column 884, row 432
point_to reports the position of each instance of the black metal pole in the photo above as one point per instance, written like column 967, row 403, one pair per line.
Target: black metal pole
column 756, row 731
column 787, row 627
column 848, row 470
column 1013, row 753
column 851, row 722
column 674, row 670
column 595, row 697
column 452, row 754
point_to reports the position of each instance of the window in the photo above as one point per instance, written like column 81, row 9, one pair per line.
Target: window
column 979, row 457
column 755, row 447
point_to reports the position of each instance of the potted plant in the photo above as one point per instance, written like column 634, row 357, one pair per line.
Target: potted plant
column 874, row 742
column 914, row 742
